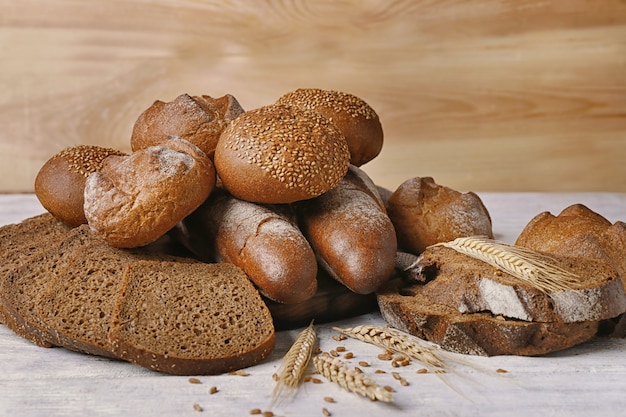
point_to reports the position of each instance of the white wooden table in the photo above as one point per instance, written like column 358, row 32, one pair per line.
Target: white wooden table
column 587, row 380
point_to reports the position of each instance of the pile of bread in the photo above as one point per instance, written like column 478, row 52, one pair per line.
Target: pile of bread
column 276, row 216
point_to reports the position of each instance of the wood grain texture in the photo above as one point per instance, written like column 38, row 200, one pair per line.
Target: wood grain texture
column 493, row 95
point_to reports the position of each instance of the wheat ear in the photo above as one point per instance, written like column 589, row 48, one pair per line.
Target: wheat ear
column 295, row 361
column 395, row 341
column 335, row 371
column 529, row 266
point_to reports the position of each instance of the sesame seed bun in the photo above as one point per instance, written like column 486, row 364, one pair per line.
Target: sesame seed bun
column 278, row 154
column 358, row 122
column 60, row 183
column 197, row 119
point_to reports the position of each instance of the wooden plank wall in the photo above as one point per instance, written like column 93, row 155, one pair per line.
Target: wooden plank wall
column 494, row 95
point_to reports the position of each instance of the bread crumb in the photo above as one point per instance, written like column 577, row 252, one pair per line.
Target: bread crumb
column 255, row 411
column 213, row 390
column 194, row 381
column 422, row 371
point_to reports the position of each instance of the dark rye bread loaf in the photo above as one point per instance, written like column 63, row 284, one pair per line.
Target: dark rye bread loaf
column 20, row 287
column 75, row 307
column 469, row 285
column 404, row 307
column 190, row 319
column 19, row 242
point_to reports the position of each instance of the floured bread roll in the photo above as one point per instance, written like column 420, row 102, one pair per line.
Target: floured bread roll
column 425, row 213
column 134, row 200
column 198, row 119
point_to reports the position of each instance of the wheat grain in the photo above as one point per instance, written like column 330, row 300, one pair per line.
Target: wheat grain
column 396, row 341
column 529, row 266
column 335, row 371
column 295, row 362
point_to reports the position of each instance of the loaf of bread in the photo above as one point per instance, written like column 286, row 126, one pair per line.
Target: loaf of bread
column 356, row 120
column 279, row 154
column 404, row 307
column 263, row 240
column 350, row 232
column 594, row 290
column 60, row 182
column 198, row 119
column 134, row 200
column 190, row 319
column 424, row 213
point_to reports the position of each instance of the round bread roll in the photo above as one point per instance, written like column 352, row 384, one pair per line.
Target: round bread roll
column 279, row 154
column 134, row 200
column 358, row 122
column 198, row 119
column 60, row 183
column 425, row 213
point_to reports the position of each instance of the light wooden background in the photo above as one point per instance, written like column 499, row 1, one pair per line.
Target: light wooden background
column 488, row 95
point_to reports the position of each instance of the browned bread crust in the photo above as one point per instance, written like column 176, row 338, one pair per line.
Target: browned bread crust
column 60, row 183
column 351, row 234
column 279, row 154
column 425, row 213
column 134, row 200
column 198, row 119
column 358, row 122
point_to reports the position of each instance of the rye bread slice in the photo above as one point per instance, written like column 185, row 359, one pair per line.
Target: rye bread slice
column 190, row 319
column 469, row 285
column 20, row 287
column 75, row 307
column 19, row 242
column 404, row 307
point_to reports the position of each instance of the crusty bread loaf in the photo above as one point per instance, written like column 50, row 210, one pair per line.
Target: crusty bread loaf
column 134, row 200
column 190, row 319
column 577, row 231
column 279, row 154
column 425, row 213
column 404, row 307
column 351, row 233
column 20, row 288
column 60, row 183
column 356, row 120
column 263, row 240
column 198, row 119
column 470, row 285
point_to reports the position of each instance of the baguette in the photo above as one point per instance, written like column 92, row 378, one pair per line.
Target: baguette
column 260, row 239
column 350, row 232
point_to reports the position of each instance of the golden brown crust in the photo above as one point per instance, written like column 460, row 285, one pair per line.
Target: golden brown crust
column 425, row 213
column 134, row 200
column 60, row 182
column 351, row 234
column 278, row 154
column 358, row 122
column 198, row 119
column 263, row 240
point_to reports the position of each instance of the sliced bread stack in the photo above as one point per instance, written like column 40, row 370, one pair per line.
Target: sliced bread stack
column 74, row 290
column 469, row 304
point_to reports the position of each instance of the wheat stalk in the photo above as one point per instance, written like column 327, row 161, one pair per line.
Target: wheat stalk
column 529, row 266
column 335, row 371
column 295, row 361
column 396, row 341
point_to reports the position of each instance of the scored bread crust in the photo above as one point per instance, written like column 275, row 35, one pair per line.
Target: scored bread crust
column 278, row 154
column 198, row 119
column 190, row 319
column 404, row 307
column 425, row 213
column 134, row 200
